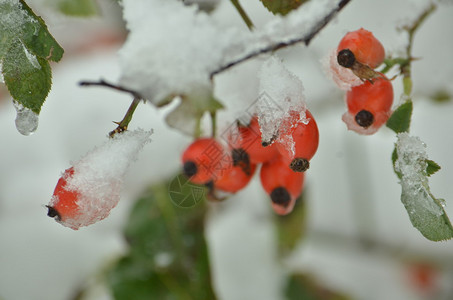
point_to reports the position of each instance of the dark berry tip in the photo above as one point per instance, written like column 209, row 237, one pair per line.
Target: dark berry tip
column 190, row 168
column 53, row 213
column 364, row 118
column 280, row 196
column 346, row 58
column 299, row 164
column 241, row 159
column 239, row 156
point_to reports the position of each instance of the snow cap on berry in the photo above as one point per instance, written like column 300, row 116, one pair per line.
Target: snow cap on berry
column 281, row 94
column 96, row 180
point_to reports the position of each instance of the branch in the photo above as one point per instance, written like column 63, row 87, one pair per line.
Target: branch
column 104, row 83
column 306, row 39
column 122, row 125
column 411, row 29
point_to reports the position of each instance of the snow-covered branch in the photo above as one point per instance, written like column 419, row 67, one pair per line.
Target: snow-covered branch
column 306, row 39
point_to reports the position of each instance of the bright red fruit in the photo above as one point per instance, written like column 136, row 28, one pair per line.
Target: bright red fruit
column 301, row 141
column 234, row 178
column 364, row 46
column 248, row 138
column 282, row 184
column 63, row 205
column 203, row 160
column 369, row 105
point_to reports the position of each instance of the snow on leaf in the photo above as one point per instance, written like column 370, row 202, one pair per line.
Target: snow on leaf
column 25, row 48
column 98, row 177
column 27, row 77
column 425, row 211
column 37, row 38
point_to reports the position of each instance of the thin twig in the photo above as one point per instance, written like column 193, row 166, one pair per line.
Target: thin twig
column 104, row 83
column 306, row 39
column 124, row 123
column 406, row 68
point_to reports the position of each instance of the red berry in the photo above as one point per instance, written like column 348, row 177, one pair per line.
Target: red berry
column 234, row 178
column 369, row 106
column 363, row 47
column 203, row 159
column 63, row 205
column 304, row 135
column 282, row 184
column 248, row 138
column 423, row 276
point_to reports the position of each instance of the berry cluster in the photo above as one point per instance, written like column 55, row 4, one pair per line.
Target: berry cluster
column 230, row 168
column 369, row 100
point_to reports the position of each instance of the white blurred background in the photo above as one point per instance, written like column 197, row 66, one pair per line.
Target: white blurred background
column 359, row 238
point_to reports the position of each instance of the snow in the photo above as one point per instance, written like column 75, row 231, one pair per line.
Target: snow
column 281, row 93
column 411, row 163
column 352, row 193
column 26, row 120
column 12, row 23
column 169, row 40
column 31, row 58
column 98, row 177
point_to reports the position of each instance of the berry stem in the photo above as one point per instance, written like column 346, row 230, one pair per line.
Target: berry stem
column 243, row 14
column 197, row 130
column 406, row 67
column 213, row 123
column 122, row 126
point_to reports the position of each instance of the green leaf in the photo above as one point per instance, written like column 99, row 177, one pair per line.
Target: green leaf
column 426, row 212
column 300, row 286
column 282, row 7
column 78, row 8
column 412, row 166
column 27, row 77
column 291, row 227
column 432, row 167
column 394, row 158
column 168, row 256
column 37, row 38
column 400, row 120
column 26, row 46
